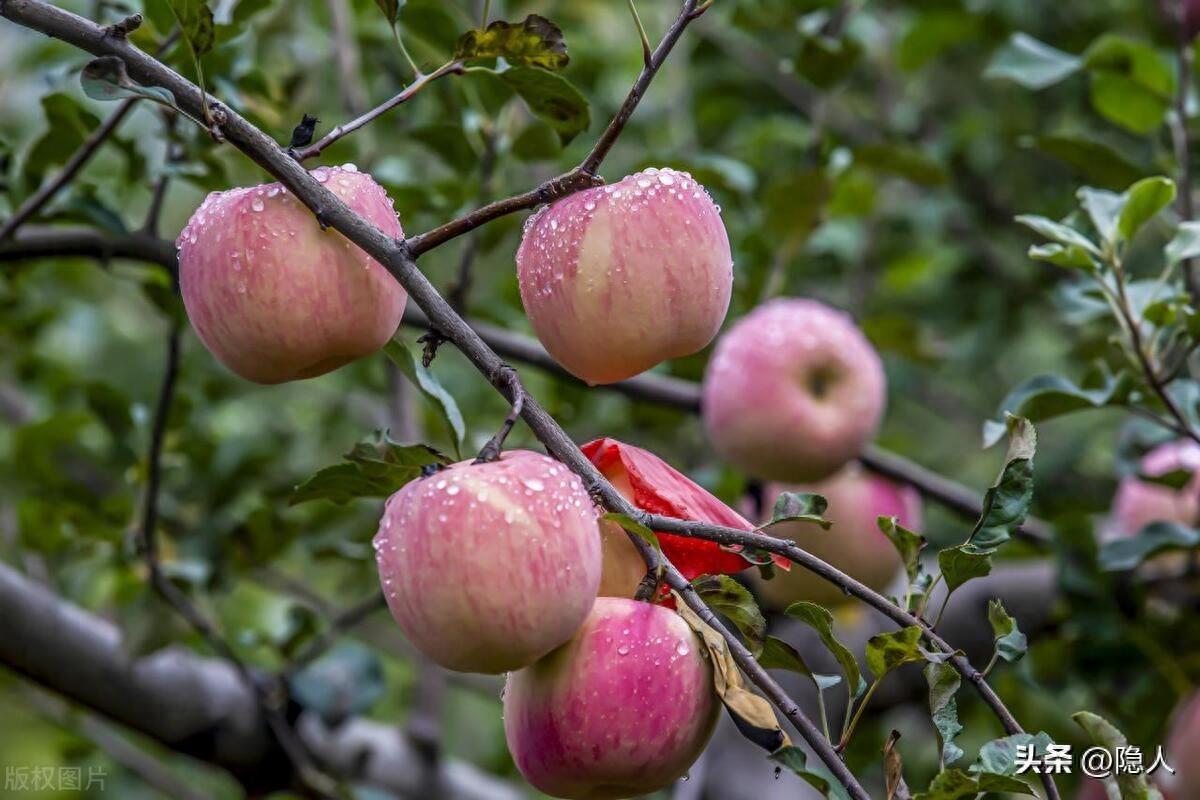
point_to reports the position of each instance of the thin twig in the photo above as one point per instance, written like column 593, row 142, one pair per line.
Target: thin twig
column 91, row 145
column 582, row 177
column 647, row 52
column 347, row 128
column 48, row 191
column 344, row 622
column 271, row 697
column 460, row 292
column 516, row 395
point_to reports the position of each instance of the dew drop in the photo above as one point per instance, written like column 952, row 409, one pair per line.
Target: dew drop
column 623, row 650
column 256, row 204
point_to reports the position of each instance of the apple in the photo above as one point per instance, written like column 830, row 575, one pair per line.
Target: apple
column 487, row 567
column 621, row 710
column 854, row 544
column 275, row 298
column 618, row 278
column 793, row 391
column 1182, row 751
column 653, row 485
column 1139, row 502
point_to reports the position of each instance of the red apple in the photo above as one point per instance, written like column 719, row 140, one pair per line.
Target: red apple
column 793, row 391
column 619, row 278
column 854, row 544
column 274, row 297
column 621, row 710
column 1139, row 502
column 653, row 485
column 488, row 567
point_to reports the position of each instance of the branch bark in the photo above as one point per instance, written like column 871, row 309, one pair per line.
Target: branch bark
column 198, row 706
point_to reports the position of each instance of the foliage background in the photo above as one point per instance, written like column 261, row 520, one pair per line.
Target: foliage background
column 881, row 175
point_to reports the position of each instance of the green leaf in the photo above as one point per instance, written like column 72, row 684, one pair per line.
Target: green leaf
column 1007, row 501
column 821, row 620
column 68, row 124
column 1144, row 200
column 376, row 467
column 1031, row 63
column 345, row 682
column 778, row 654
column 1045, row 397
column 1131, row 83
column 196, row 23
column 1185, row 244
column 1069, row 256
column 535, row 42
column 908, row 544
column 552, row 98
column 999, row 756
column 886, row 651
column 1122, row 555
column 1056, row 231
column 631, row 525
column 956, row 784
column 944, row 680
column 903, row 161
column 728, row 597
column 825, row 62
column 963, row 563
column 1123, row 101
column 800, row 507
column 409, row 361
column 390, row 9
column 1133, row 786
column 1011, row 644
column 1095, row 161
column 1104, row 208
column 105, row 78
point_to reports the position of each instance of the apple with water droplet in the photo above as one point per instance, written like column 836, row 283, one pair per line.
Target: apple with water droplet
column 854, row 544
column 621, row 710
column 273, row 296
column 793, row 391
column 487, row 567
column 618, row 278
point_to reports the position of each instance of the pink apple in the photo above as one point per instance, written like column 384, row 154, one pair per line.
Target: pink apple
column 1139, row 502
column 274, row 297
column 793, row 391
column 621, row 710
column 619, row 278
column 653, row 485
column 1182, row 751
column 854, row 544
column 488, row 567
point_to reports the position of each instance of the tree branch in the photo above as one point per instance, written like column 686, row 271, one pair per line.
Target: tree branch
column 347, row 128
column 198, row 706
column 398, row 259
column 47, row 192
column 584, row 175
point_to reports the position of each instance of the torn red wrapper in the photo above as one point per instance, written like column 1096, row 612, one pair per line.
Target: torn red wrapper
column 661, row 489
